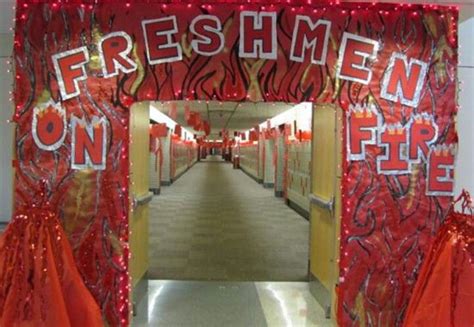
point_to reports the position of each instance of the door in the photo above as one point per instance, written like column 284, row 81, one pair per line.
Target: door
column 325, row 208
column 139, row 196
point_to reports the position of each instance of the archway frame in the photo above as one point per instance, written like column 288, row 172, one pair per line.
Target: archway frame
column 47, row 32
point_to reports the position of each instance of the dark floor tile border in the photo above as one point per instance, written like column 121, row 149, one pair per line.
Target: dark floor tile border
column 181, row 174
column 302, row 212
column 258, row 180
column 155, row 191
column 268, row 185
column 279, row 194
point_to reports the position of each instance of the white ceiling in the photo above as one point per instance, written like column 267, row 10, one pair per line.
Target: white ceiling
column 232, row 116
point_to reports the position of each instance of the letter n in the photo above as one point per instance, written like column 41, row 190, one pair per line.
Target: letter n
column 88, row 143
column 403, row 80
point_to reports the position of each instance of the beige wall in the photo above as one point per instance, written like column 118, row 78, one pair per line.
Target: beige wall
column 464, row 175
column 6, row 107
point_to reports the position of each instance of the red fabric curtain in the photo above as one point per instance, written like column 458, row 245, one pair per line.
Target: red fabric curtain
column 39, row 282
column 444, row 292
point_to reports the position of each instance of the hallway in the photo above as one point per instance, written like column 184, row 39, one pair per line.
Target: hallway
column 216, row 223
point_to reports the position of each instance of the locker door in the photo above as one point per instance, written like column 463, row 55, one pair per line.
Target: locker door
column 269, row 167
column 279, row 169
column 325, row 203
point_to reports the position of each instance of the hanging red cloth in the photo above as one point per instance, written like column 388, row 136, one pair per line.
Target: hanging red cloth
column 206, row 128
column 444, row 292
column 159, row 130
column 39, row 282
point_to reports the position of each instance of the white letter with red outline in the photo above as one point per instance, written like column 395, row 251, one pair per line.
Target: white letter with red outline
column 440, row 176
column 422, row 133
column 393, row 138
column 88, row 145
column 403, row 80
column 70, row 70
column 210, row 38
column 306, row 35
column 160, row 47
column 114, row 49
column 258, row 36
column 362, row 127
column 49, row 125
column 354, row 54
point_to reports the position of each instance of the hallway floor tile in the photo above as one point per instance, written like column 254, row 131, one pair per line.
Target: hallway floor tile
column 216, row 223
column 229, row 304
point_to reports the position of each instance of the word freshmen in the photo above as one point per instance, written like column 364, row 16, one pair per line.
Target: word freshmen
column 402, row 81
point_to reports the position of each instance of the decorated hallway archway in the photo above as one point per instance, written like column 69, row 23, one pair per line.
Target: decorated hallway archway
column 81, row 65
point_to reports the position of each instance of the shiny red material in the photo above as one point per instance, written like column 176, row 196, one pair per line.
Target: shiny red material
column 444, row 293
column 39, row 282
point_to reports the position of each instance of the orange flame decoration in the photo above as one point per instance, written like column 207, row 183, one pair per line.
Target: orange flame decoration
column 395, row 129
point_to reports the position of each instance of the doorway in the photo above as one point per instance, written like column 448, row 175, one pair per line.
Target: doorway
column 214, row 222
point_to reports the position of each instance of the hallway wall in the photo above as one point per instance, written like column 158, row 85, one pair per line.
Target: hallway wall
column 166, row 163
column 184, row 155
column 269, row 167
column 154, row 172
column 298, row 174
column 280, row 164
column 464, row 175
column 249, row 159
column 6, row 108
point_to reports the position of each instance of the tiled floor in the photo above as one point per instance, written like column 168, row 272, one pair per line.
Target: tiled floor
column 216, row 223
column 230, row 304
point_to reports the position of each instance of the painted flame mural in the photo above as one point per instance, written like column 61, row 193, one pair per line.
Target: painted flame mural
column 388, row 220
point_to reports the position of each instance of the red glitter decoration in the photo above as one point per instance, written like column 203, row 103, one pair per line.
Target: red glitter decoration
column 444, row 293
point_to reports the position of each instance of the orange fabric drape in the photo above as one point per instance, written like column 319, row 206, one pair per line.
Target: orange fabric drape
column 39, row 282
column 444, row 292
